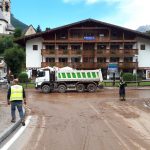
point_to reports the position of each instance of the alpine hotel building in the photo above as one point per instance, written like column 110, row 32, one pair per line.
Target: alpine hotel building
column 89, row 44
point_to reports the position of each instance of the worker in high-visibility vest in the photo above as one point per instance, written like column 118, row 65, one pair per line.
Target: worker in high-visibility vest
column 16, row 97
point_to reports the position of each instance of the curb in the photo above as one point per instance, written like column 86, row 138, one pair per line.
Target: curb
column 10, row 129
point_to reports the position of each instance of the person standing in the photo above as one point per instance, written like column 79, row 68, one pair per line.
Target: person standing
column 122, row 86
column 15, row 98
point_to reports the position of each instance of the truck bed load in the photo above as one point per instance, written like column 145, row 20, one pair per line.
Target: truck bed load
column 79, row 75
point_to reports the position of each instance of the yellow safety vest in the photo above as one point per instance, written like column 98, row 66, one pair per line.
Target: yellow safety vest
column 16, row 93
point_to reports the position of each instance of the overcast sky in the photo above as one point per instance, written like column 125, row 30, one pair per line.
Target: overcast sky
column 54, row 13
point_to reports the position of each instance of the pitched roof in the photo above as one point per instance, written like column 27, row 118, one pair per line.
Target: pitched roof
column 26, row 29
column 10, row 27
column 23, row 39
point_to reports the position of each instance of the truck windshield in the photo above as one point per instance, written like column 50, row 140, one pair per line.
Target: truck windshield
column 40, row 74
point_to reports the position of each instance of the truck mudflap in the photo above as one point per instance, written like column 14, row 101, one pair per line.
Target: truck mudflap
column 37, row 87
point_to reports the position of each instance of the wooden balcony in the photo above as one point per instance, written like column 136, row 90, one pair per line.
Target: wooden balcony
column 128, row 65
column 82, row 39
column 119, row 53
column 76, row 52
column 77, row 40
column 130, row 52
column 88, row 53
column 87, row 65
column 45, row 52
column 62, row 52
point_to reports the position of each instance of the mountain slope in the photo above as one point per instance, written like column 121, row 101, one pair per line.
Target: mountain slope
column 17, row 23
column 144, row 28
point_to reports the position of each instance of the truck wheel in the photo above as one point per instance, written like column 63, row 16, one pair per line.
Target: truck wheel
column 91, row 87
column 45, row 88
column 62, row 88
column 80, row 87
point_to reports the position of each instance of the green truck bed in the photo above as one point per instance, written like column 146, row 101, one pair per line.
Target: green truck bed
column 79, row 75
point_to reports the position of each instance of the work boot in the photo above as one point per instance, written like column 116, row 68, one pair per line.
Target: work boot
column 13, row 120
column 124, row 99
column 23, row 122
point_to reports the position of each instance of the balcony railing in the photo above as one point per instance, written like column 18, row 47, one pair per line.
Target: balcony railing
column 62, row 52
column 128, row 65
column 47, row 52
column 89, row 65
column 75, row 52
column 119, row 53
column 88, row 52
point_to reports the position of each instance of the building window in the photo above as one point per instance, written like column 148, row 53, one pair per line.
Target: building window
column 115, row 47
column 114, row 59
column 51, row 47
column 101, row 47
column 35, row 47
column 88, row 59
column 128, row 59
column 75, row 59
column 50, row 59
column 75, row 47
column 128, row 47
column 63, row 60
column 101, row 59
column 142, row 47
column 6, row 6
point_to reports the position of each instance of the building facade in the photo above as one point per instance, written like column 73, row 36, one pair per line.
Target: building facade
column 5, row 17
column 89, row 44
column 3, row 67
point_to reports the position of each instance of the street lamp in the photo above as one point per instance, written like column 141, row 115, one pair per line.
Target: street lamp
column 136, row 60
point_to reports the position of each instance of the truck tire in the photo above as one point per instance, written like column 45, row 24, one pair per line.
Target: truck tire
column 80, row 87
column 62, row 88
column 45, row 88
column 91, row 87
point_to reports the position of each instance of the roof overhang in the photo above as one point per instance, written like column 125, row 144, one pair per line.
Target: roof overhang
column 22, row 40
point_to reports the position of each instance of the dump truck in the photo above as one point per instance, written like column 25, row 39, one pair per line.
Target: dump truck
column 62, row 80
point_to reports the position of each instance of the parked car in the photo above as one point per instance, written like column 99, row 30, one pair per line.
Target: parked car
column 3, row 80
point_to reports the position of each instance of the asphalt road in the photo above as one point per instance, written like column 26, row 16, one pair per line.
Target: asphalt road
column 87, row 121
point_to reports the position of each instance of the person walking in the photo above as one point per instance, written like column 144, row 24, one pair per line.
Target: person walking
column 122, row 86
column 15, row 98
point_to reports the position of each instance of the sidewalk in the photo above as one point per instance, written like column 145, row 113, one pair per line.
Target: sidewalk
column 6, row 127
column 133, row 88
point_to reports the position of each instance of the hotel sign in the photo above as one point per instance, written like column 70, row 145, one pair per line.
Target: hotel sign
column 89, row 38
column 112, row 67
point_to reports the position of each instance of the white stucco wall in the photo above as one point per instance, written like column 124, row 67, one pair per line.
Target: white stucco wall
column 30, row 31
column 33, row 57
column 144, row 55
column 3, row 25
column 7, row 16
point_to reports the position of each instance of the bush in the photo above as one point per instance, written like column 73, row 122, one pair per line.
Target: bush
column 130, row 77
column 23, row 77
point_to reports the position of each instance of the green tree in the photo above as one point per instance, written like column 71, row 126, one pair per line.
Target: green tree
column 38, row 29
column 5, row 43
column 23, row 77
column 14, row 58
column 17, row 33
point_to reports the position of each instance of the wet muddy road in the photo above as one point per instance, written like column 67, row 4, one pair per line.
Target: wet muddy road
column 88, row 121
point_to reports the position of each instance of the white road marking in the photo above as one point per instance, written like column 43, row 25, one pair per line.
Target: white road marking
column 43, row 125
column 109, row 126
column 14, row 138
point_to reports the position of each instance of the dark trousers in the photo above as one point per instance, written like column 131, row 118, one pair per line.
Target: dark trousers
column 17, row 104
